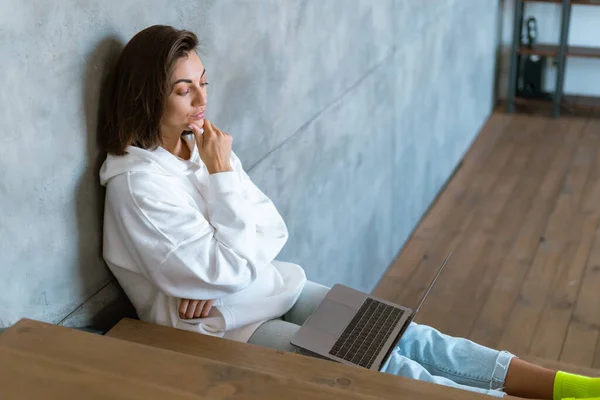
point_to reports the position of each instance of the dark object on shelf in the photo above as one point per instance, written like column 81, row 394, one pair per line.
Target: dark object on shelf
column 527, row 71
column 531, row 32
column 530, row 82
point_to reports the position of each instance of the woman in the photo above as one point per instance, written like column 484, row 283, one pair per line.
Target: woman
column 192, row 240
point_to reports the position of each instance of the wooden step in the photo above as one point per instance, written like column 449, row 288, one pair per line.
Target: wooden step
column 306, row 369
column 44, row 361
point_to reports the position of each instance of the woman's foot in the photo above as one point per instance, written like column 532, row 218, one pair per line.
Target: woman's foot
column 572, row 386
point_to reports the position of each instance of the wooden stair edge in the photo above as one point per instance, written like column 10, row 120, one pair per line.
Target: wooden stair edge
column 275, row 362
column 111, row 368
column 279, row 362
column 131, row 330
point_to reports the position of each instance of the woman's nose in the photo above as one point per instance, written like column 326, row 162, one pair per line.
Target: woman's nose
column 199, row 99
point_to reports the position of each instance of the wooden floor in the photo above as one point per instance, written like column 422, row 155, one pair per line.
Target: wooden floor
column 521, row 216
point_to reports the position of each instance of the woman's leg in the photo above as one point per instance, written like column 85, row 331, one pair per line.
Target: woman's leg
column 457, row 359
column 312, row 295
column 460, row 361
column 275, row 334
column 528, row 380
column 471, row 364
column 400, row 365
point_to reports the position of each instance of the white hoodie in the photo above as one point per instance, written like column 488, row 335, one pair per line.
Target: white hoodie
column 173, row 231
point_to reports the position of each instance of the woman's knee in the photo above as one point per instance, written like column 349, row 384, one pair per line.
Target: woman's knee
column 311, row 296
column 275, row 334
column 401, row 365
column 421, row 341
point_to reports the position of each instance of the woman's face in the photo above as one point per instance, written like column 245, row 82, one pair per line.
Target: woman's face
column 186, row 103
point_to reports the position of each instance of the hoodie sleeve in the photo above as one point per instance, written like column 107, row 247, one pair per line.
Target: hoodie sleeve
column 187, row 256
column 271, row 231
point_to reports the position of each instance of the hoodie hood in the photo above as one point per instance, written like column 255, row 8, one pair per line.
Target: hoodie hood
column 158, row 161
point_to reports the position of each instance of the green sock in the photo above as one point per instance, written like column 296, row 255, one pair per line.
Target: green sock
column 574, row 398
column 571, row 386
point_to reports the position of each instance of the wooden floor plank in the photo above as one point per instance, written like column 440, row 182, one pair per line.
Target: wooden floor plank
column 562, row 225
column 444, row 309
column 551, row 331
column 485, row 264
column 580, row 344
column 590, row 204
column 596, row 361
column 585, row 322
column 585, row 319
column 504, row 281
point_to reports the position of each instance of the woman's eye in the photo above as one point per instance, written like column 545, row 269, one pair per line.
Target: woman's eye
column 202, row 84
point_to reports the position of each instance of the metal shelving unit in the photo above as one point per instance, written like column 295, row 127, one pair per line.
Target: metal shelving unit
column 560, row 51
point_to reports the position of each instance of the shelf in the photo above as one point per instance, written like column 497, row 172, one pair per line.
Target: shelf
column 573, row 2
column 585, row 102
column 570, row 102
column 548, row 50
column 551, row 50
column 585, row 52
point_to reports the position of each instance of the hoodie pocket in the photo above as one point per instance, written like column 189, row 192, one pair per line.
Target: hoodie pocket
column 218, row 321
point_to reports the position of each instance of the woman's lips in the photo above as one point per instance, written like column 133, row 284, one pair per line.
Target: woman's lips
column 198, row 116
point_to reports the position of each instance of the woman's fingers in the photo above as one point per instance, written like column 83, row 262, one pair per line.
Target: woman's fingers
column 183, row 307
column 198, row 134
column 207, row 306
column 215, row 149
column 208, row 127
column 197, row 130
column 191, row 310
column 199, row 308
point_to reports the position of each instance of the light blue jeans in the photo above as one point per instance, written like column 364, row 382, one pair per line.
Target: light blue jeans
column 423, row 353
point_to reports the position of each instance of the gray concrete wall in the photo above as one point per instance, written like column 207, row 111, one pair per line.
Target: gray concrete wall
column 349, row 114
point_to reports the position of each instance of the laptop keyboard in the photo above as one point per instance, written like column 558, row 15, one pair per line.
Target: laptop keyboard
column 365, row 335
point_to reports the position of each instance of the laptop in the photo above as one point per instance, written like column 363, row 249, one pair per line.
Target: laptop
column 355, row 328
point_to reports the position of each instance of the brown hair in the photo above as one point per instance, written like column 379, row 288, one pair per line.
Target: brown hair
column 140, row 85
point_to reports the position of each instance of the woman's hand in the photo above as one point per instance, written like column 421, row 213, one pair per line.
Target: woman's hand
column 189, row 309
column 214, row 147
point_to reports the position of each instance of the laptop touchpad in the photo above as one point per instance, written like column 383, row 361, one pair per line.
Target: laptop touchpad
column 332, row 318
